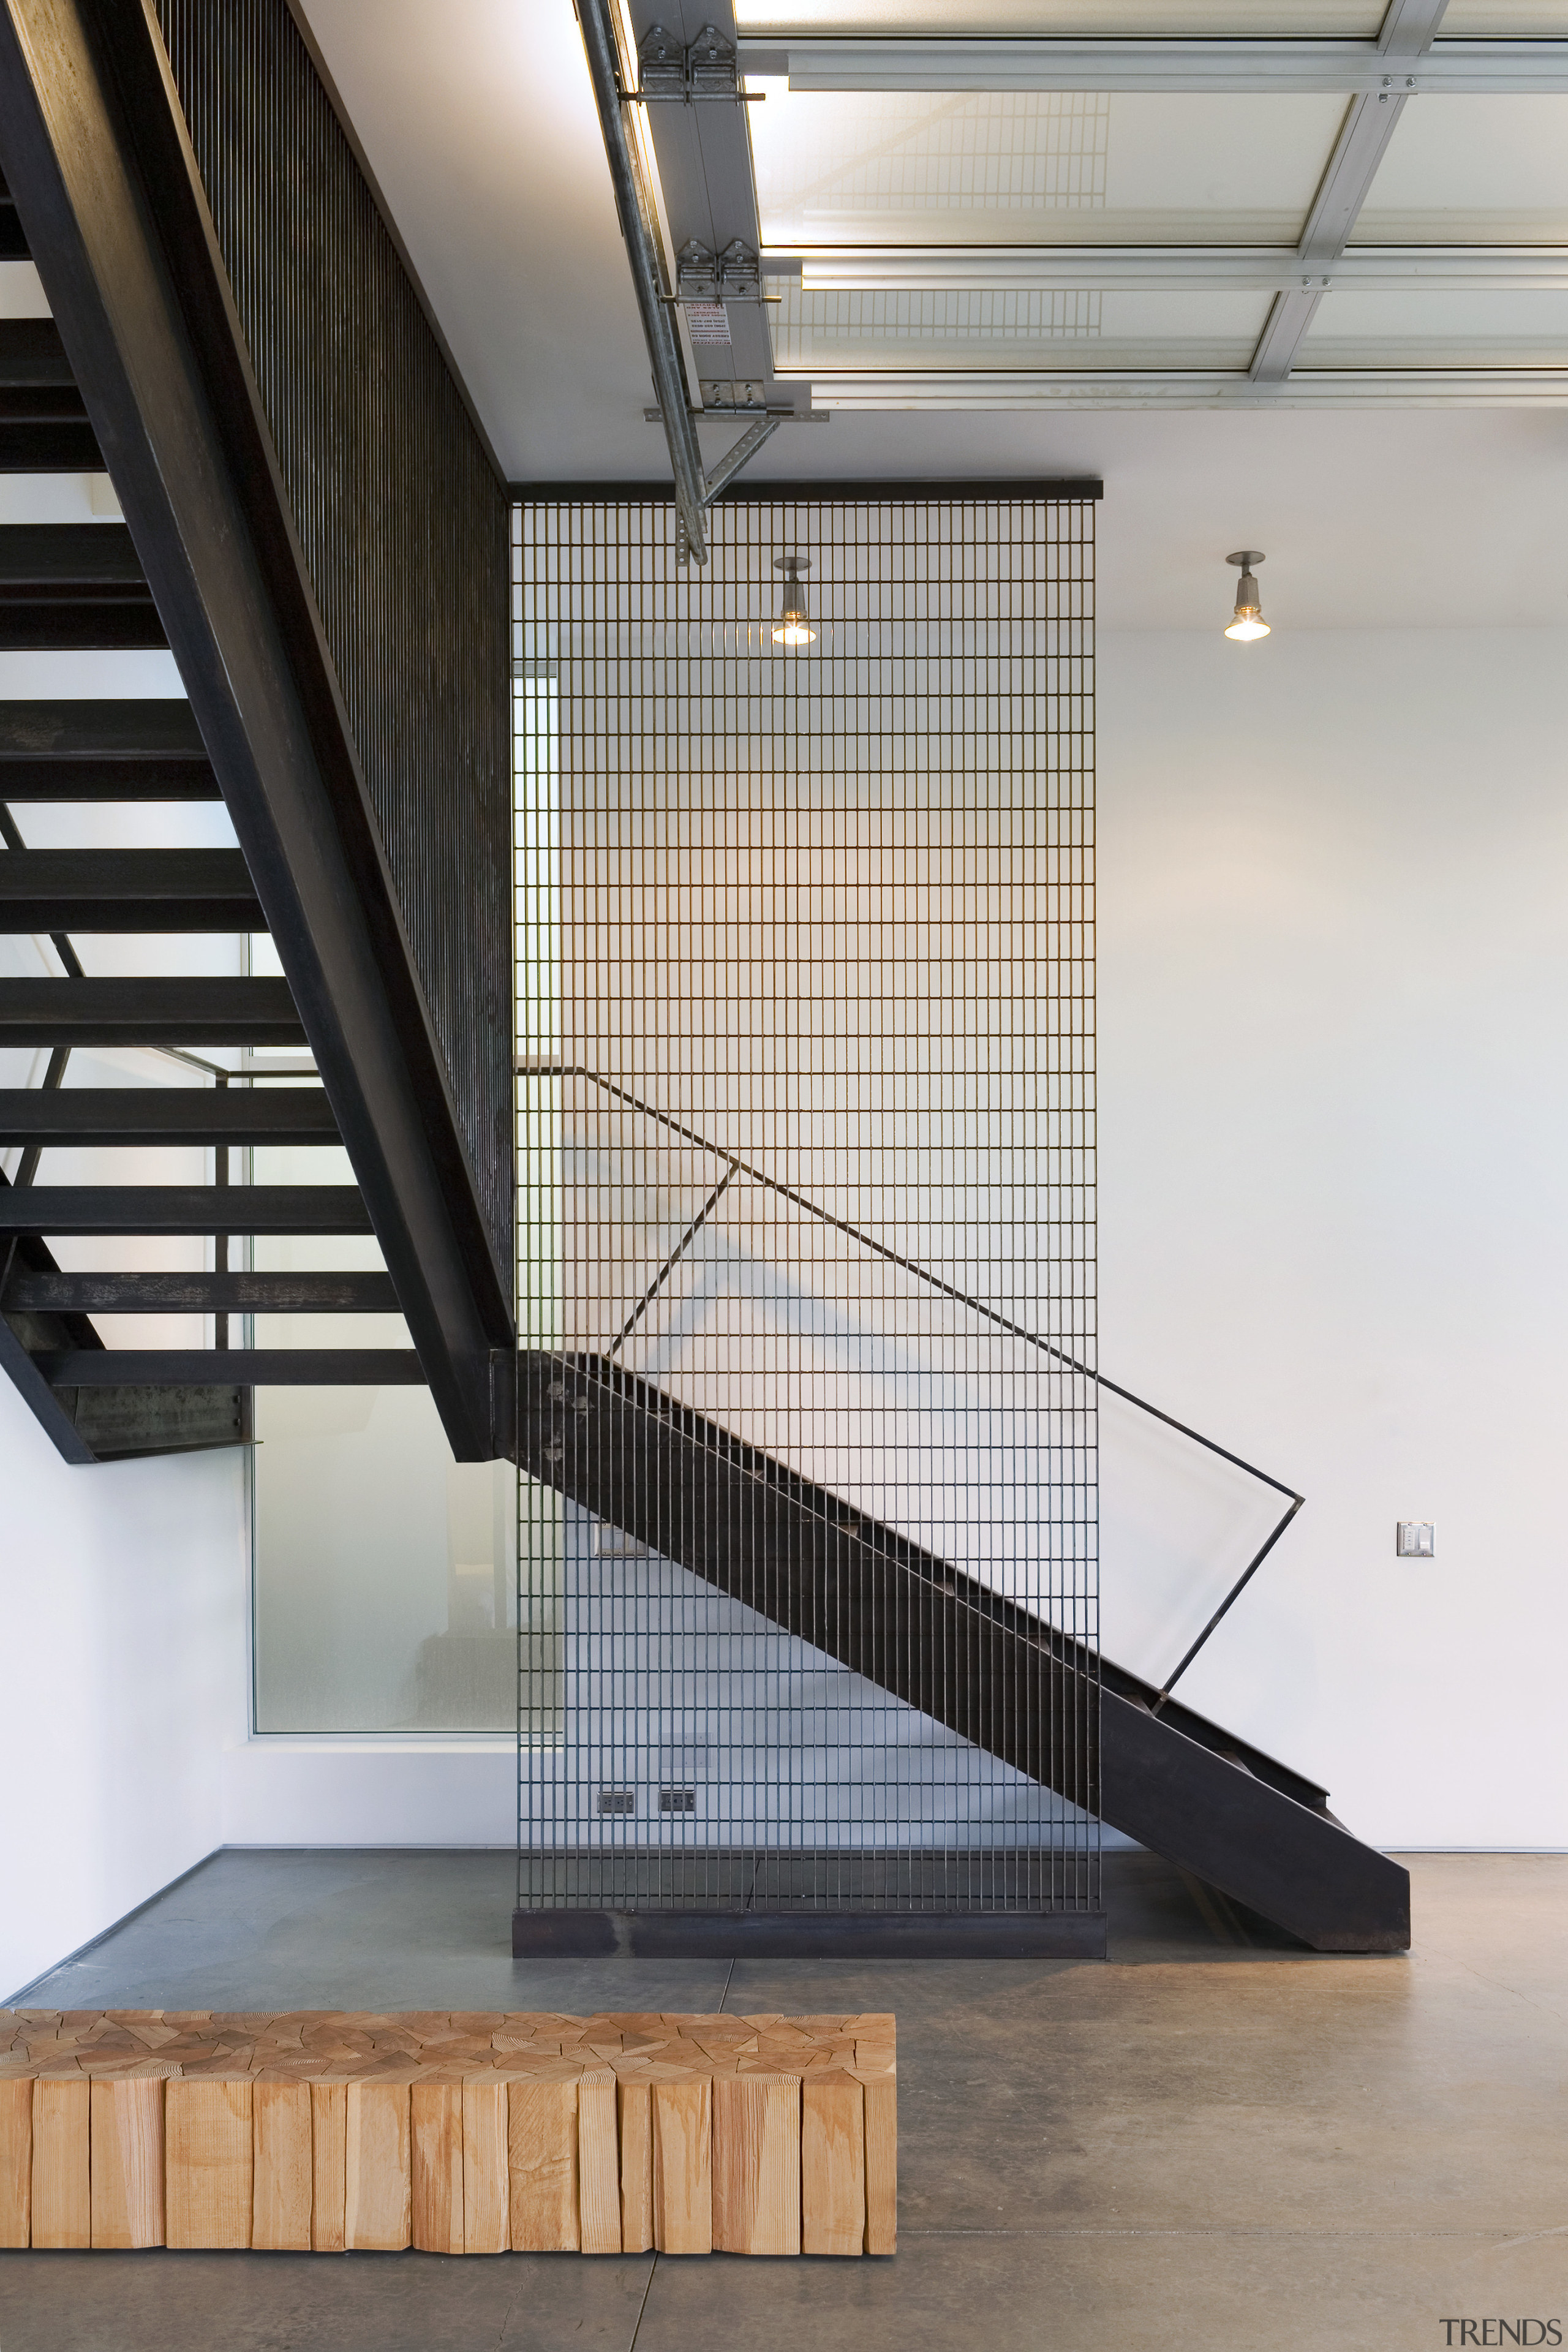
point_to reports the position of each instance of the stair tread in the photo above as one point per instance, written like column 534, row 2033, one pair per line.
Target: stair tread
column 115, row 750
column 35, row 555
column 109, row 1115
column 159, row 727
column 40, row 402
column 184, row 1209
column 128, row 890
column 247, row 1367
column 199, row 1294
column 31, row 353
column 190, row 1010
column 118, row 624
column 50, row 448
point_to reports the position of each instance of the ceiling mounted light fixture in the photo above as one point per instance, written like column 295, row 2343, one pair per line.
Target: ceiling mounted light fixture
column 792, row 627
column 1248, row 621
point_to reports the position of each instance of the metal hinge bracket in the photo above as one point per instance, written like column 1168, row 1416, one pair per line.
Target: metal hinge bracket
column 668, row 75
column 733, row 276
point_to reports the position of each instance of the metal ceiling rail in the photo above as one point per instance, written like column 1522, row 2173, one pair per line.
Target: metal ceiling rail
column 978, row 269
column 1369, row 125
column 1024, row 388
column 1259, row 67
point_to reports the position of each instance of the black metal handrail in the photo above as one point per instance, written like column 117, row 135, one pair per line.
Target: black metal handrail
column 542, row 1068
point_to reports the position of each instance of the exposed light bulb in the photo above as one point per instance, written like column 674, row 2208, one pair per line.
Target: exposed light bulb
column 793, row 627
column 1249, row 622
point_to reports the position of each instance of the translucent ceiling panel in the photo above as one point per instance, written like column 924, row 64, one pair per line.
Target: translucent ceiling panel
column 1472, row 171
column 1038, row 332
column 1037, row 167
column 1438, row 331
column 1105, row 19
column 1504, row 20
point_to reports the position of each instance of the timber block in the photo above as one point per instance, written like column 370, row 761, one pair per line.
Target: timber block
column 460, row 2133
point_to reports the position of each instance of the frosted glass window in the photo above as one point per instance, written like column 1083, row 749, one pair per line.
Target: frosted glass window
column 1438, row 331
column 1047, row 330
column 385, row 1572
column 1037, row 167
column 1472, row 171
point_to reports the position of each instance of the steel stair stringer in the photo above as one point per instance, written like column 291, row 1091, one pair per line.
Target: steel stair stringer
column 946, row 1644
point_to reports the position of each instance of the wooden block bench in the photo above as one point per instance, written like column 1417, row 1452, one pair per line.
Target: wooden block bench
column 483, row 2132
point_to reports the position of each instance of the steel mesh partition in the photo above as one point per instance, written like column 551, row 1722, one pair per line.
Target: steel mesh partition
column 806, row 988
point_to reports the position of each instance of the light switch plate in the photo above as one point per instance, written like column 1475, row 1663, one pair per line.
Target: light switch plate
column 1414, row 1540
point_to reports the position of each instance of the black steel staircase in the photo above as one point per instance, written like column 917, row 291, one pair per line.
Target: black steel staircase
column 80, row 587
column 944, row 1643
column 248, row 529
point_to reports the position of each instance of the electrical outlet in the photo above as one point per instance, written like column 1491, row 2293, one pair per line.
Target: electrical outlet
column 1414, row 1540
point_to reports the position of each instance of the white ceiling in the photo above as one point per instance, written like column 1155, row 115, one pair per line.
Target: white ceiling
column 478, row 123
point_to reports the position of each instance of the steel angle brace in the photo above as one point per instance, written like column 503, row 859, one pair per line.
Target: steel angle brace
column 1408, row 31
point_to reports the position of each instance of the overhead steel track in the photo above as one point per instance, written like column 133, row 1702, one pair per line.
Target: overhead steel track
column 991, row 389
column 1369, row 125
column 897, row 62
column 1166, row 269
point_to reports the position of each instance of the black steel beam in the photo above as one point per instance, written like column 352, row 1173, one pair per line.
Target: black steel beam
column 946, row 1644
column 134, row 1011
column 97, row 1117
column 199, row 1294
column 108, row 751
column 184, row 1209
column 127, row 890
column 49, row 449
column 92, row 138
column 753, row 488
column 294, row 1367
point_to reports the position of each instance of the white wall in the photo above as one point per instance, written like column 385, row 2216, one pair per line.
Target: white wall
column 1333, row 997
column 122, row 1604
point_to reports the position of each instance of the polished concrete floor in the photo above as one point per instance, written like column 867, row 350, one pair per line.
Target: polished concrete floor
column 1214, row 2139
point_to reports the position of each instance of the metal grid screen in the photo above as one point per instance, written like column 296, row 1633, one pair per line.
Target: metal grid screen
column 806, row 1209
